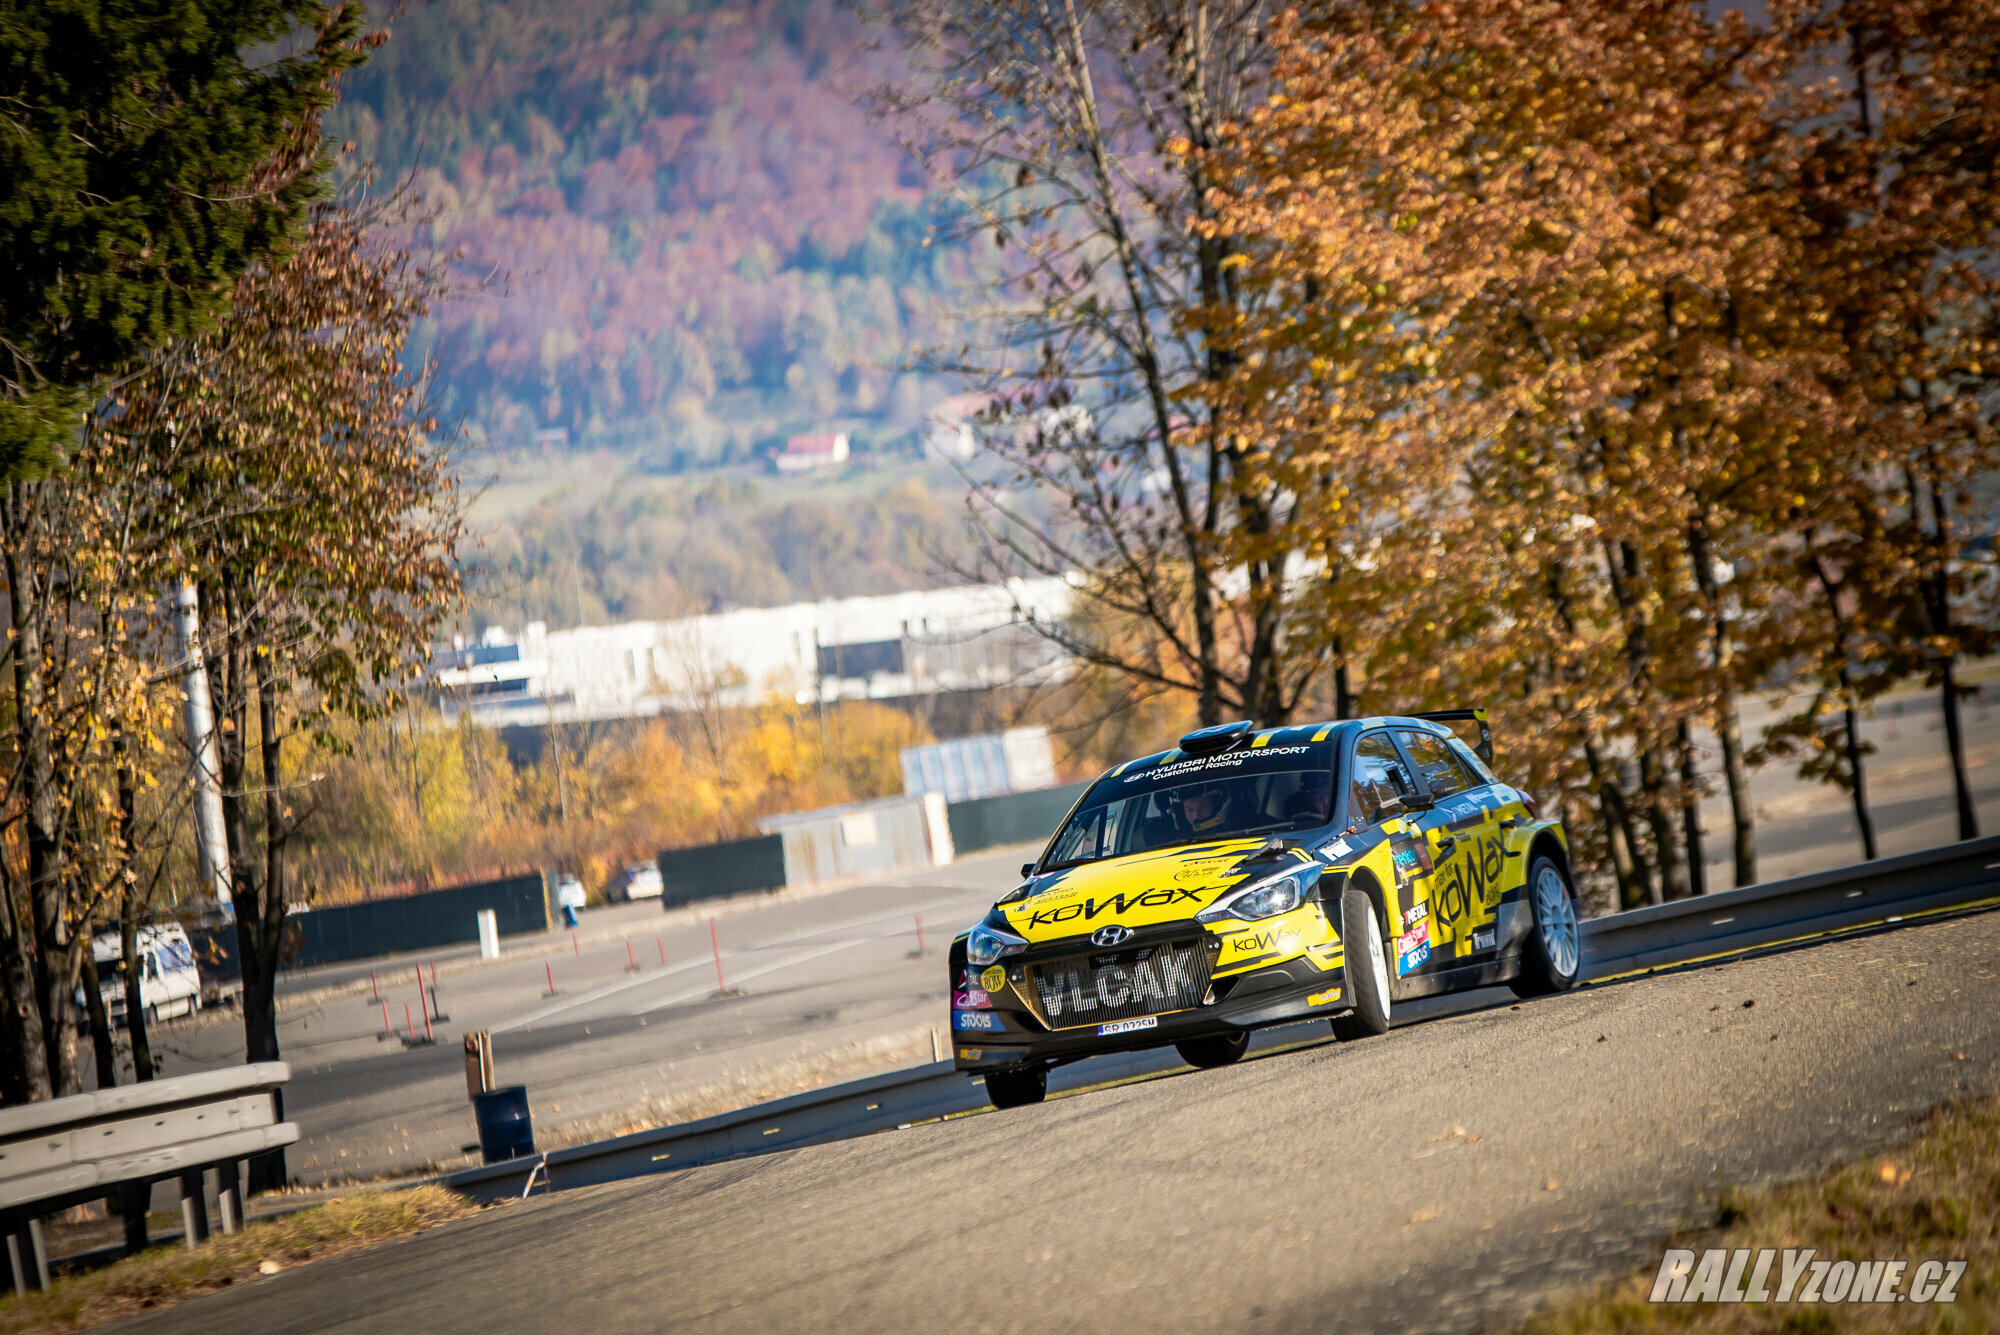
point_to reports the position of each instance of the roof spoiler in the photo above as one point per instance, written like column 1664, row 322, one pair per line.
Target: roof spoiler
column 1485, row 747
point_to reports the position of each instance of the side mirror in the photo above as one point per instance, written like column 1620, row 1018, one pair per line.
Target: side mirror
column 1027, row 870
column 1405, row 804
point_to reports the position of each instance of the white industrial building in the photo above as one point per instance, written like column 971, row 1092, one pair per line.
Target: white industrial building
column 887, row 647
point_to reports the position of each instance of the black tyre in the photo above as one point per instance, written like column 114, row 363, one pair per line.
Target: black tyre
column 1367, row 970
column 1016, row 1089
column 1552, row 955
column 1220, row 1050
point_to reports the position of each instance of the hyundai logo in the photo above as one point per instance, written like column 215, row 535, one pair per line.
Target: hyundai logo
column 1110, row 936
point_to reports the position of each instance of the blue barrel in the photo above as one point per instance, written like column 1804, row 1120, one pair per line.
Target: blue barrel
column 506, row 1131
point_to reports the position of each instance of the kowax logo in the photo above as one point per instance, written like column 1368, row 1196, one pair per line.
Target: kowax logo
column 1110, row 936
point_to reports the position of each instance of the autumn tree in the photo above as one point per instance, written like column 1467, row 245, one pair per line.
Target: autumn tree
column 151, row 152
column 1904, row 186
column 326, row 537
column 1076, row 142
column 1554, row 270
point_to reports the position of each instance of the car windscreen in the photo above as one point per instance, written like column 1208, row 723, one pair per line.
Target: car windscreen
column 1271, row 790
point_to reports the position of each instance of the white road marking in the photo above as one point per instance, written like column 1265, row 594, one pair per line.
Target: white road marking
column 612, row 989
column 746, row 975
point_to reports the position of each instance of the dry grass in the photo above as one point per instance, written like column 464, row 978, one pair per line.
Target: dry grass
column 169, row 1275
column 1935, row 1198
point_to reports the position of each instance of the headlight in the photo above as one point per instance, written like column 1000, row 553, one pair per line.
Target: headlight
column 985, row 946
column 1264, row 899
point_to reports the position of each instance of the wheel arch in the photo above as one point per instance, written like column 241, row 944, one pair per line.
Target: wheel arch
column 1547, row 843
column 1371, row 887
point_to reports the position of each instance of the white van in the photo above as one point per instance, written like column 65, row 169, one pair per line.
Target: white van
column 169, row 982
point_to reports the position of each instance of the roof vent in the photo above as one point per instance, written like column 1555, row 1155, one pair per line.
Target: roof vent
column 1215, row 740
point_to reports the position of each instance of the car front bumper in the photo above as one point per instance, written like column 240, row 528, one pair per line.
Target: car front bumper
column 1004, row 1036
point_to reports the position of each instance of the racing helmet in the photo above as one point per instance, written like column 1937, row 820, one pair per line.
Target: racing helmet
column 1210, row 798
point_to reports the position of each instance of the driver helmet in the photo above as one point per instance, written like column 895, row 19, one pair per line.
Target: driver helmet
column 1212, row 798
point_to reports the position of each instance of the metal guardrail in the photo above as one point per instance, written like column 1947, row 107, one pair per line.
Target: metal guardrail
column 1730, row 922
column 63, row 1152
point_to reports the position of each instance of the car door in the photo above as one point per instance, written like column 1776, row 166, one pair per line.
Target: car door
column 1463, row 835
column 1381, row 773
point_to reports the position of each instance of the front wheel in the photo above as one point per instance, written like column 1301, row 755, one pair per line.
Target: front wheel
column 1552, row 955
column 1367, row 970
column 1017, row 1089
column 1218, row 1051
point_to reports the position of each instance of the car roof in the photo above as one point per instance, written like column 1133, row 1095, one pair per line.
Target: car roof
column 1294, row 734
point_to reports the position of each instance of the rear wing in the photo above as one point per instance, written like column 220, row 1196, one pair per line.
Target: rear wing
column 1485, row 747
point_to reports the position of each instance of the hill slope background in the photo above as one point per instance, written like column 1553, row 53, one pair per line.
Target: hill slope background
column 703, row 244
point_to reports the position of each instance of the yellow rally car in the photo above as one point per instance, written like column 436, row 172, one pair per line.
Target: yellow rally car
column 1195, row 895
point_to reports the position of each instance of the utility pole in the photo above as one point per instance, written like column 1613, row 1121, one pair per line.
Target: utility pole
column 212, row 853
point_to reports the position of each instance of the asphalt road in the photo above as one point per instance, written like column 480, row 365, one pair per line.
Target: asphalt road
column 824, row 987
column 831, row 988
column 1449, row 1176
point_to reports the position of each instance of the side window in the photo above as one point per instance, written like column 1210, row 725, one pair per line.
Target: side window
column 1470, row 759
column 1083, row 838
column 1442, row 773
column 1378, row 776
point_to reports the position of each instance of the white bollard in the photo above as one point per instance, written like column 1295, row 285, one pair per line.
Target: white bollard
column 489, row 935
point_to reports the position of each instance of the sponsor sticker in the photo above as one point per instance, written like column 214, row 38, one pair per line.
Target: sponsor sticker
column 1416, row 913
column 1227, row 760
column 1483, row 939
column 1128, row 1026
column 971, row 999
column 1795, row 1275
column 1410, row 961
column 1420, row 935
column 968, row 1054
column 1321, row 998
column 994, row 978
column 974, row 1020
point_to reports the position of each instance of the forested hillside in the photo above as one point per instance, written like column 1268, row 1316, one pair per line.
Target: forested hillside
column 700, row 244
column 680, row 547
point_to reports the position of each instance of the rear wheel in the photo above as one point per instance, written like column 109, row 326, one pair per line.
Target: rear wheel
column 1220, row 1050
column 1553, row 953
column 1016, row 1089
column 1367, row 970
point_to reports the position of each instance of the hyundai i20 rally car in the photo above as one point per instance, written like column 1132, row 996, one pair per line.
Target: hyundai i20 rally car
column 1252, row 878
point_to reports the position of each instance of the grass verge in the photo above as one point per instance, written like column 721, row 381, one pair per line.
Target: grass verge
column 1936, row 1197
column 169, row 1275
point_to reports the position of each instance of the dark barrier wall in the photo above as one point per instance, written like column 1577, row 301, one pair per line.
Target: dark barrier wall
column 387, row 926
column 714, row 870
column 418, row 922
column 1016, row 818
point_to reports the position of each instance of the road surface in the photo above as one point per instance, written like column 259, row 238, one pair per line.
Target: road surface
column 832, row 990
column 1449, row 1176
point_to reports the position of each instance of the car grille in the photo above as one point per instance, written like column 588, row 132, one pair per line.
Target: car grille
column 1120, row 985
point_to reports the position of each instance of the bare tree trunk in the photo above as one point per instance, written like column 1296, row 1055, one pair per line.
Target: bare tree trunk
column 1346, row 704
column 1857, row 788
column 143, row 1067
column 24, row 1010
column 101, row 1045
column 1697, row 861
column 1935, row 591
column 1622, row 567
column 41, row 816
column 1954, row 735
column 1653, row 781
column 1635, row 876
column 260, row 910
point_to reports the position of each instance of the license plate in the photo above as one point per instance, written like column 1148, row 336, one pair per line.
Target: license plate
column 1128, row 1026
